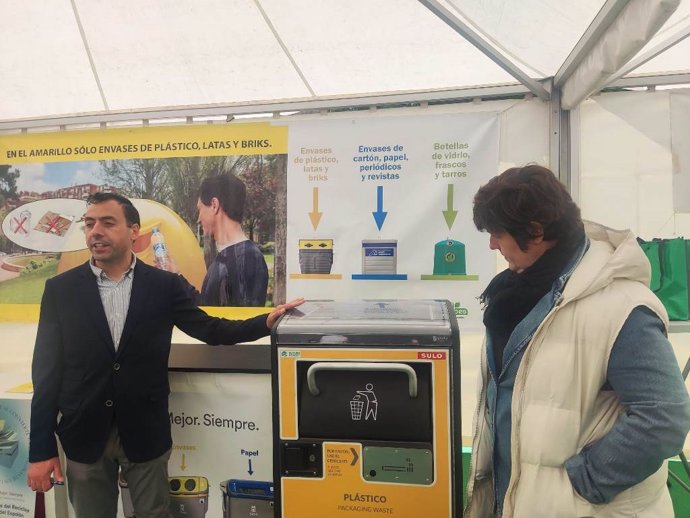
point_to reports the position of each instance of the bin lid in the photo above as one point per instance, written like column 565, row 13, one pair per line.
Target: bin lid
column 360, row 322
column 247, row 489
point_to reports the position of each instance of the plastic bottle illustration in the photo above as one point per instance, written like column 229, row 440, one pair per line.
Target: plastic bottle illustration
column 160, row 251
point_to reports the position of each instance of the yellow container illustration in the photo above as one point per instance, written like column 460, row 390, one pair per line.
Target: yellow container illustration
column 188, row 496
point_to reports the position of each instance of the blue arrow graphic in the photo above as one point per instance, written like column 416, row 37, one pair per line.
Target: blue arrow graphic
column 379, row 215
column 250, row 471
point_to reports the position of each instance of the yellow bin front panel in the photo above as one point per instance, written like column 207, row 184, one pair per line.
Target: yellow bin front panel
column 342, row 492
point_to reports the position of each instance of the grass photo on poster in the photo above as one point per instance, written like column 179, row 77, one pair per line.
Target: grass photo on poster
column 28, row 287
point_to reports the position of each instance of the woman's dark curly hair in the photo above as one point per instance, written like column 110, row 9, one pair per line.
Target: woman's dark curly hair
column 521, row 196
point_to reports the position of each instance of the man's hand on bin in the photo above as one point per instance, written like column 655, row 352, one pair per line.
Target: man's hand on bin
column 281, row 309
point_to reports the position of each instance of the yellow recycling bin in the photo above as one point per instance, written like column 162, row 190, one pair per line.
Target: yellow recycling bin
column 367, row 410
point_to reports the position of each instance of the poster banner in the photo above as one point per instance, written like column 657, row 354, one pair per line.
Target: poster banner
column 382, row 208
column 367, row 207
column 206, row 196
column 221, row 429
column 16, row 498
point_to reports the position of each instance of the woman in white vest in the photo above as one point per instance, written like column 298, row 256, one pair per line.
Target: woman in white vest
column 581, row 399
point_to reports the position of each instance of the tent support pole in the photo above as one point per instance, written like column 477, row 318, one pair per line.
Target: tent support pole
column 464, row 30
column 559, row 140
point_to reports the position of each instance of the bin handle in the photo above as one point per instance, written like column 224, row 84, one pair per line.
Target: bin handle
column 361, row 366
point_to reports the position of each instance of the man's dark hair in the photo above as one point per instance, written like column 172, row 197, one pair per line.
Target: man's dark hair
column 230, row 191
column 520, row 196
column 131, row 212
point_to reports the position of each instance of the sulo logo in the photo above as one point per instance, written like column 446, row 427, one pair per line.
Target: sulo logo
column 431, row 355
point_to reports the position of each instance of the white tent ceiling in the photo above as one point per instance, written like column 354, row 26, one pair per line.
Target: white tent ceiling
column 67, row 58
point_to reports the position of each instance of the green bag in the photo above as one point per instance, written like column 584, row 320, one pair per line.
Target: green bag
column 651, row 250
column 669, row 261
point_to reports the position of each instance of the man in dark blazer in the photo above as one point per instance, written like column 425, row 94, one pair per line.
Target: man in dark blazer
column 100, row 361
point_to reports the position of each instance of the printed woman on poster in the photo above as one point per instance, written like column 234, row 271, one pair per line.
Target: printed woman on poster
column 238, row 275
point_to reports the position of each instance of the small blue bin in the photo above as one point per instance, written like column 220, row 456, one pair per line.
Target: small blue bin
column 247, row 499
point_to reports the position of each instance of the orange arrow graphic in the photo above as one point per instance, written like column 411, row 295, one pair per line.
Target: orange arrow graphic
column 355, row 457
column 315, row 215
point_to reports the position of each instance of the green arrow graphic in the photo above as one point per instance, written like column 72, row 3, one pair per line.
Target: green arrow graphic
column 449, row 213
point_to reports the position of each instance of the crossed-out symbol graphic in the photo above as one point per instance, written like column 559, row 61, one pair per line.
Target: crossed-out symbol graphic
column 20, row 225
column 52, row 225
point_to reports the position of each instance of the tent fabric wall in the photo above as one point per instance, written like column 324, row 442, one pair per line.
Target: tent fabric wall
column 634, row 161
column 62, row 58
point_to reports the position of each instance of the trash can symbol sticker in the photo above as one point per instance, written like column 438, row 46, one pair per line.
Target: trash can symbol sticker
column 364, row 403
